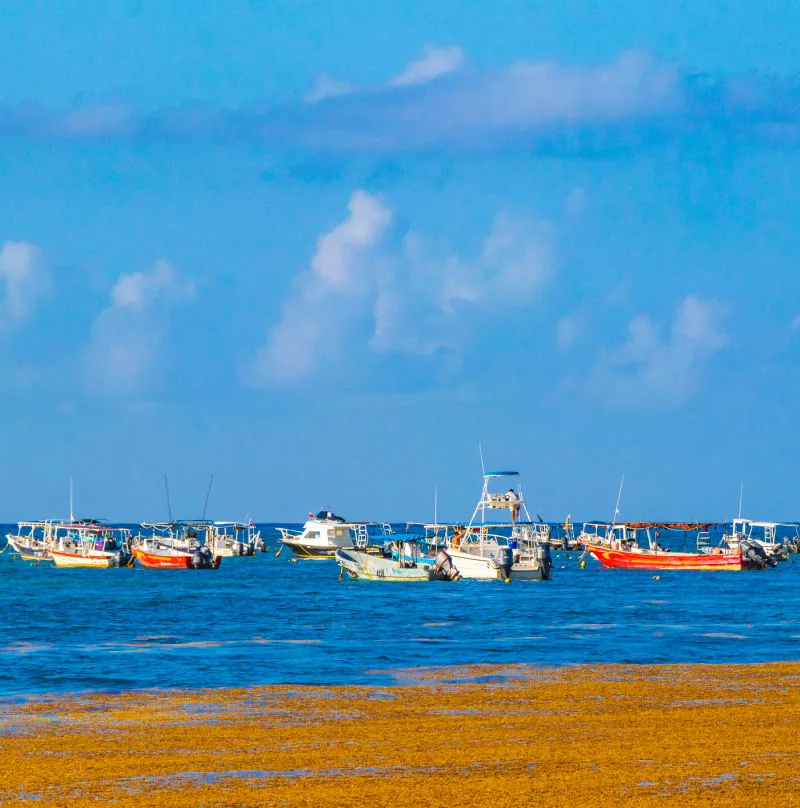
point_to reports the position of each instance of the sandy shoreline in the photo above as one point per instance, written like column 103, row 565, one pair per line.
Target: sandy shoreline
column 585, row 735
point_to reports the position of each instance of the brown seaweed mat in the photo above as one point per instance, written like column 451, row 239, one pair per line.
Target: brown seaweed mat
column 578, row 736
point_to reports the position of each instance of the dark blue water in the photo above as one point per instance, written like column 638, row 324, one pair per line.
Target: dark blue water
column 268, row 620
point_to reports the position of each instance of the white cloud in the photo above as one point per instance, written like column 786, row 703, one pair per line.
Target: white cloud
column 650, row 368
column 139, row 289
column 368, row 291
column 327, row 87
column 24, row 278
column 127, row 335
column 327, row 296
column 569, row 330
column 432, row 64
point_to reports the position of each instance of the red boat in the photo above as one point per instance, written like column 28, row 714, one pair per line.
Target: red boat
column 175, row 546
column 643, row 559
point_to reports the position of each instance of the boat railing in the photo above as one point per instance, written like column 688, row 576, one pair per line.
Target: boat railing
column 360, row 535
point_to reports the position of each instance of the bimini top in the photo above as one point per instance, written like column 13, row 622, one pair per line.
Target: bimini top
column 487, row 474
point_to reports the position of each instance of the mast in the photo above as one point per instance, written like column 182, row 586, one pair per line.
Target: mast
column 169, row 506
column 619, row 497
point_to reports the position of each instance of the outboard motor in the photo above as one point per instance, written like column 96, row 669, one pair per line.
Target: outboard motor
column 504, row 560
column 198, row 559
column 545, row 559
column 443, row 567
column 755, row 555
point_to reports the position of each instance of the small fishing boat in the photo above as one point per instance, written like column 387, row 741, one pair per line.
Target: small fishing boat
column 515, row 550
column 622, row 549
column 33, row 540
column 325, row 533
column 401, row 565
column 90, row 543
column 765, row 534
column 231, row 539
column 175, row 545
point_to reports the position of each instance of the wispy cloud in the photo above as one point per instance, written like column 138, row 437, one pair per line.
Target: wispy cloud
column 651, row 368
column 327, row 87
column 636, row 101
column 327, row 297
column 374, row 289
column 127, row 334
column 432, row 64
column 24, row 279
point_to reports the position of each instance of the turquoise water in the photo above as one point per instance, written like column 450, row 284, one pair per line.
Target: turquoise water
column 270, row 620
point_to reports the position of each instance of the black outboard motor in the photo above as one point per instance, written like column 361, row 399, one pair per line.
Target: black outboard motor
column 755, row 556
column 443, row 567
column 504, row 560
column 545, row 560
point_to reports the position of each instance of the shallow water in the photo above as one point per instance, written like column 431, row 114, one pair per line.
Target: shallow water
column 268, row 620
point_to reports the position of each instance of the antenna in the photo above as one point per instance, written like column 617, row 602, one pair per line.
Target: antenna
column 483, row 468
column 169, row 506
column 208, row 495
column 619, row 497
column 741, row 494
column 71, row 514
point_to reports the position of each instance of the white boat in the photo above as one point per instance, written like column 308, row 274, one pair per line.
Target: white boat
column 399, row 563
column 230, row 539
column 764, row 534
column 511, row 550
column 33, row 540
column 322, row 535
column 90, row 543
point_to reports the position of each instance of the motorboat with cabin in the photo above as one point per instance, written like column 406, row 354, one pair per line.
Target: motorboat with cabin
column 513, row 550
column 324, row 533
column 180, row 544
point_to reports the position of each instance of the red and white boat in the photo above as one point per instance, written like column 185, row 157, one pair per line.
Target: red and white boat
column 645, row 559
column 176, row 545
column 619, row 549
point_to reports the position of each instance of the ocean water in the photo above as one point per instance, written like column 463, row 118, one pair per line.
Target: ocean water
column 266, row 620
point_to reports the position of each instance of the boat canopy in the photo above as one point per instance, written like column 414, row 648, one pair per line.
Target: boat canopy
column 668, row 525
column 488, row 474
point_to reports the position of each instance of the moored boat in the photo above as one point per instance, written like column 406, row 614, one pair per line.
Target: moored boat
column 515, row 550
column 399, row 563
column 175, row 545
column 231, row 539
column 621, row 549
column 91, row 543
column 33, row 540
column 325, row 533
column 766, row 535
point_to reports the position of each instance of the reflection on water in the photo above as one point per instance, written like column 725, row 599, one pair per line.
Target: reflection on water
column 264, row 620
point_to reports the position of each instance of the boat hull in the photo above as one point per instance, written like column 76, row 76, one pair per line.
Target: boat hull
column 660, row 560
column 27, row 552
column 168, row 561
column 472, row 565
column 311, row 551
column 365, row 567
column 95, row 560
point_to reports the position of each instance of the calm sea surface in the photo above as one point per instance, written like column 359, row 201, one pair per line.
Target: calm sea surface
column 268, row 620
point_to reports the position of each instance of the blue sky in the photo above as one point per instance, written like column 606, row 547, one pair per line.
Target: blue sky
column 324, row 250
